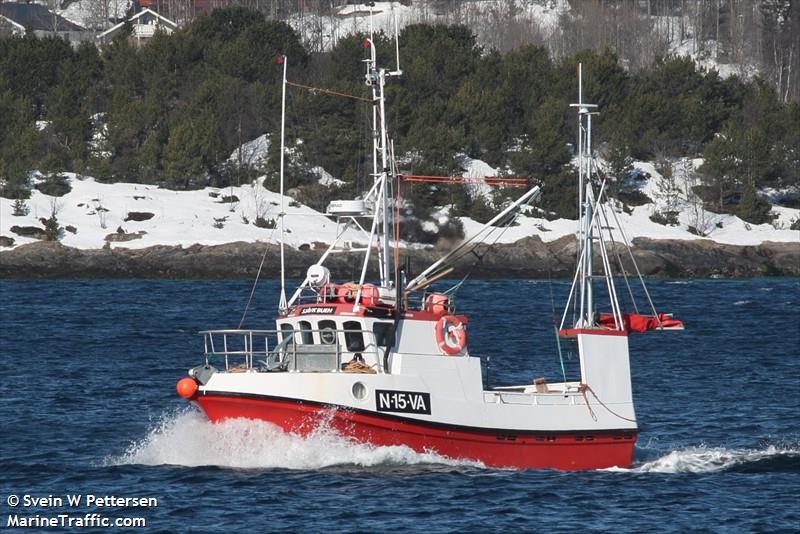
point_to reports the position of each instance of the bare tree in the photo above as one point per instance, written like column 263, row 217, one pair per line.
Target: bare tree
column 698, row 217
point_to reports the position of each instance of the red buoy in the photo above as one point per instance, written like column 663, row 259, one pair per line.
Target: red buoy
column 186, row 387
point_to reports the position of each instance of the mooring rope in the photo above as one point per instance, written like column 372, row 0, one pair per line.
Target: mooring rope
column 584, row 388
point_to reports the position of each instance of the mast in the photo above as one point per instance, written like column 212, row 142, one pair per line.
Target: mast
column 376, row 79
column 282, row 303
column 585, row 207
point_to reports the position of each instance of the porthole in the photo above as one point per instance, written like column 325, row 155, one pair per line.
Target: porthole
column 359, row 391
column 327, row 334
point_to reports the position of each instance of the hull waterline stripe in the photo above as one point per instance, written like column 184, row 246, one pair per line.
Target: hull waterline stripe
column 421, row 422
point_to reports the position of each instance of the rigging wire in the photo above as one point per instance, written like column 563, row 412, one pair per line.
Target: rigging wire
column 555, row 326
column 328, row 91
column 255, row 282
column 479, row 257
column 615, row 249
column 636, row 266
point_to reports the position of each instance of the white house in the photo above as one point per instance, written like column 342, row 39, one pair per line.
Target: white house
column 144, row 25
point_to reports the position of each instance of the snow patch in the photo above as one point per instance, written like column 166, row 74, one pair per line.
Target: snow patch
column 181, row 218
column 325, row 178
column 253, row 153
column 322, row 33
column 476, row 170
column 205, row 216
column 91, row 14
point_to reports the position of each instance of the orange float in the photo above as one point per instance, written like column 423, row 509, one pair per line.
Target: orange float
column 186, row 387
column 437, row 303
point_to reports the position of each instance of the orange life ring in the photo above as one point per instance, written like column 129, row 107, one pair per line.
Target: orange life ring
column 451, row 335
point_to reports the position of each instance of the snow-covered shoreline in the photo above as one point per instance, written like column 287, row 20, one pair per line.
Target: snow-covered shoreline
column 92, row 211
column 142, row 231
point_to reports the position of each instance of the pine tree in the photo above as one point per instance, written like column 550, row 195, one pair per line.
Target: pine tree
column 183, row 155
column 52, row 230
column 20, row 208
column 17, row 143
column 481, row 210
column 720, row 164
column 752, row 207
column 619, row 164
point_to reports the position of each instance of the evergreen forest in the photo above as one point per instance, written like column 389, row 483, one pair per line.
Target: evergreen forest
column 173, row 112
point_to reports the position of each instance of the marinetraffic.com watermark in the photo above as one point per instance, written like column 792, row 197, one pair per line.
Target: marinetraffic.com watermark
column 76, row 511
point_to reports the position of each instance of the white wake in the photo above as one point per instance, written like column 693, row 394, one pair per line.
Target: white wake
column 703, row 459
column 187, row 438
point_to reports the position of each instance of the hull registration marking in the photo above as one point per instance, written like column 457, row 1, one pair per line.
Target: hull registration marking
column 403, row 401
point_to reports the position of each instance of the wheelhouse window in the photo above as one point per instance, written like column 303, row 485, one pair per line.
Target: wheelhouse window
column 384, row 334
column 353, row 337
column 327, row 332
column 287, row 332
column 306, row 337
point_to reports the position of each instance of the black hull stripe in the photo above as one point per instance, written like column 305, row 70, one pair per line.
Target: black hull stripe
column 422, row 422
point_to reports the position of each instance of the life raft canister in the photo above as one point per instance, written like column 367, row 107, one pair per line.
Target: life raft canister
column 369, row 295
column 451, row 335
column 347, row 292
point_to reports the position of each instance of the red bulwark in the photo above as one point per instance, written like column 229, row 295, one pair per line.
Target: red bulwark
column 572, row 332
column 494, row 448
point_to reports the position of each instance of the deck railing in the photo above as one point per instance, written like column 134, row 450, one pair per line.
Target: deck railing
column 312, row 350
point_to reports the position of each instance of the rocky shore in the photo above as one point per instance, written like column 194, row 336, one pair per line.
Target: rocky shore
column 527, row 258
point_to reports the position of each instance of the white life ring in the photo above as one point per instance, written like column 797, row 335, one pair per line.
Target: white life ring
column 451, row 335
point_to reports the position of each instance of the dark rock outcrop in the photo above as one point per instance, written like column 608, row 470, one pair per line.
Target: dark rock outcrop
column 138, row 216
column 33, row 232
column 527, row 258
column 119, row 237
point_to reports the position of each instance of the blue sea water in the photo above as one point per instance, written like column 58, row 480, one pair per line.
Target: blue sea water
column 88, row 407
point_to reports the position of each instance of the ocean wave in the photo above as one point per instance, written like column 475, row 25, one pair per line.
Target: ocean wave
column 703, row 459
column 187, row 438
column 742, row 302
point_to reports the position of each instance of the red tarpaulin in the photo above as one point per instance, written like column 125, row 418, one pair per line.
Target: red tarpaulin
column 635, row 322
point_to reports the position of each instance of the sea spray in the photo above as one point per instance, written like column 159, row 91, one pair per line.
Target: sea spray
column 186, row 438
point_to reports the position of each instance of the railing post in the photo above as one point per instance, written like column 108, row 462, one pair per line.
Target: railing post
column 248, row 350
column 225, row 349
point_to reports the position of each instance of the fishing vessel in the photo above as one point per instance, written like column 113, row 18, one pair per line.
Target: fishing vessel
column 389, row 362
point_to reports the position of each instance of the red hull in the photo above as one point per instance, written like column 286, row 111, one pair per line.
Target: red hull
column 494, row 448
